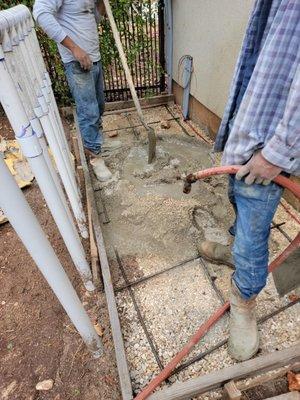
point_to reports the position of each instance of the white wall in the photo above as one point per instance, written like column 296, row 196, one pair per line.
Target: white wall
column 211, row 31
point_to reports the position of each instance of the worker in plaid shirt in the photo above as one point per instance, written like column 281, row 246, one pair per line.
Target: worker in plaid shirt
column 261, row 131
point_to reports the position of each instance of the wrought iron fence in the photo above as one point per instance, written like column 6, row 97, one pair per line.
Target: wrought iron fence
column 141, row 26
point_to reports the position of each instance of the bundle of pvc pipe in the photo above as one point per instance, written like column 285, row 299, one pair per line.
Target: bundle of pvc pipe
column 28, row 101
column 27, row 98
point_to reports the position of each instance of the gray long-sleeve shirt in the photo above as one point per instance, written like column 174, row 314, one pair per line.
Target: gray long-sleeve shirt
column 74, row 18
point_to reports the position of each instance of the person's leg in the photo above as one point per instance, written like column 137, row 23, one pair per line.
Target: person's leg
column 82, row 86
column 256, row 206
column 216, row 252
column 107, row 146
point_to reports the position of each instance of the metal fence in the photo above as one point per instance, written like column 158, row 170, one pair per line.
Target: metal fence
column 141, row 27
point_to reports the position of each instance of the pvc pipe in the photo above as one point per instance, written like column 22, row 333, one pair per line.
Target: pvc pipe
column 34, row 82
column 192, row 178
column 169, row 43
column 38, row 130
column 72, row 195
column 186, row 84
column 31, row 42
column 24, row 222
column 64, row 170
column 32, row 150
column 34, row 88
column 26, row 99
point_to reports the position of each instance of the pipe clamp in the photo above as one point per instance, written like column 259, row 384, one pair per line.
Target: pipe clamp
column 30, row 146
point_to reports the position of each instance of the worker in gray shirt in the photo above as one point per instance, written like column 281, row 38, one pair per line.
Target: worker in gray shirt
column 73, row 26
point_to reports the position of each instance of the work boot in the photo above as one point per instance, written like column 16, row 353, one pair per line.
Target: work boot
column 243, row 337
column 101, row 171
column 216, row 252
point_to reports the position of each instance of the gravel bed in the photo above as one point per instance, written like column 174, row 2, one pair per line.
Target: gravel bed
column 154, row 226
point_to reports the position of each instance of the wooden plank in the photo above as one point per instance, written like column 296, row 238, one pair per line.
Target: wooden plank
column 261, row 380
column 233, row 393
column 286, row 396
column 76, row 149
column 129, row 110
column 215, row 380
column 93, row 248
column 128, row 105
column 151, row 101
column 124, row 377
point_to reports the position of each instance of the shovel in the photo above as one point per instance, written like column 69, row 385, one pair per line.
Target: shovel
column 287, row 275
column 116, row 34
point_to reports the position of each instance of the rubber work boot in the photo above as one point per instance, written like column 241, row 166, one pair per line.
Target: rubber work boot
column 243, row 337
column 101, row 171
column 216, row 252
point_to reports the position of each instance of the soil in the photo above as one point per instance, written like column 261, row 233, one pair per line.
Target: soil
column 37, row 339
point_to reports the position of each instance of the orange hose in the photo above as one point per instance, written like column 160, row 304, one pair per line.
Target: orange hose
column 294, row 216
column 166, row 372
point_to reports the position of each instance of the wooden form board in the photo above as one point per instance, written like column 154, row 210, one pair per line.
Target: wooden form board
column 286, row 396
column 215, row 380
column 121, row 106
column 124, row 377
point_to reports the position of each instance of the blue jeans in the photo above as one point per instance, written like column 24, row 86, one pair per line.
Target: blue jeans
column 255, row 206
column 88, row 93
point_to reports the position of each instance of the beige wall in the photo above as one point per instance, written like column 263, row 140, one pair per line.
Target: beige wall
column 211, row 31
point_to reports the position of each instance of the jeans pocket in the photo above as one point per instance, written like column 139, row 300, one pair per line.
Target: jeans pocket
column 77, row 69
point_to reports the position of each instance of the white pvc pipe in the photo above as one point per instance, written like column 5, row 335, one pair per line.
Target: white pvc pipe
column 32, row 150
column 34, row 85
column 38, row 130
column 72, row 195
column 31, row 42
column 65, row 171
column 34, row 239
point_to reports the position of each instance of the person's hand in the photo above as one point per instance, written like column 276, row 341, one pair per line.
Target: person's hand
column 258, row 170
column 82, row 57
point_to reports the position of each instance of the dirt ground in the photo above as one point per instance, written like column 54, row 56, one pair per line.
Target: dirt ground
column 37, row 339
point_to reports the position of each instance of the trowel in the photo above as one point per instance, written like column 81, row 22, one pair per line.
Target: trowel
column 150, row 131
column 287, row 275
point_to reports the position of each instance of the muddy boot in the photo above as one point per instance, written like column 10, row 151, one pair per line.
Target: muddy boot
column 101, row 171
column 243, row 338
column 216, row 253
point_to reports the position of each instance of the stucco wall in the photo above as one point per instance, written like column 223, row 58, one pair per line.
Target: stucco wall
column 211, row 31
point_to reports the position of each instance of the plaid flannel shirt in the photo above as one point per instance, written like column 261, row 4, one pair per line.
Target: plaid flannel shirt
column 268, row 116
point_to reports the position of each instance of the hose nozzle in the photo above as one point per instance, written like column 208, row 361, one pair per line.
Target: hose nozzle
column 188, row 181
